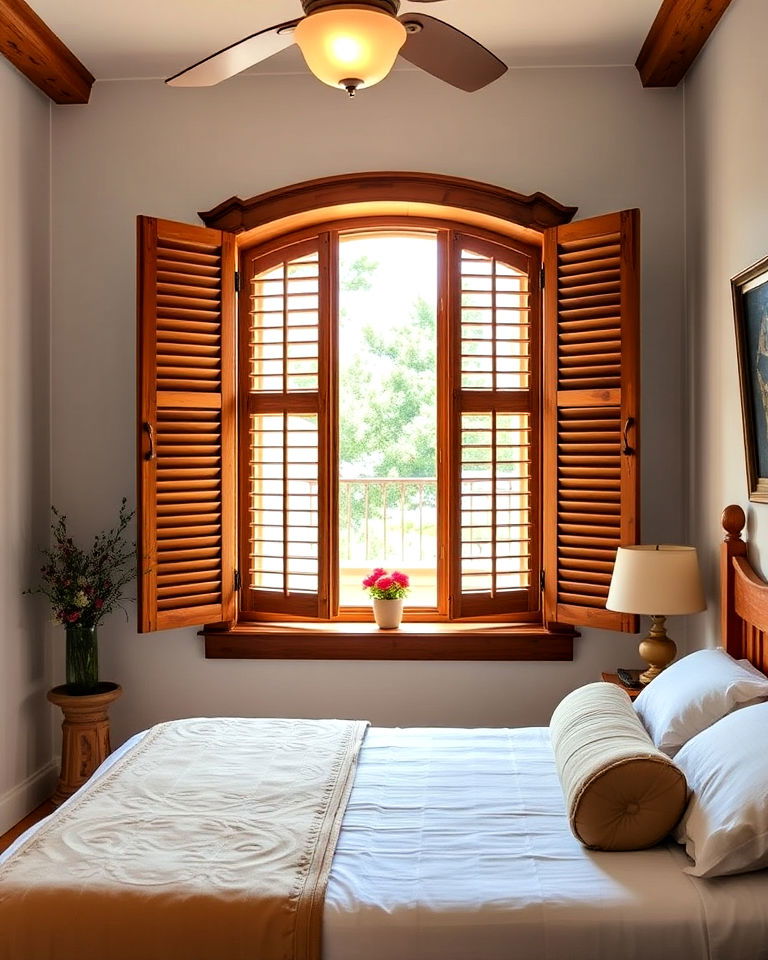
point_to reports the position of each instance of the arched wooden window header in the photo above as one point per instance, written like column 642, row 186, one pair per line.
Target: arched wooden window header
column 382, row 194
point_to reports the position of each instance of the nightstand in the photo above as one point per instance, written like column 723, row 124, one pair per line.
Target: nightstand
column 85, row 741
column 613, row 678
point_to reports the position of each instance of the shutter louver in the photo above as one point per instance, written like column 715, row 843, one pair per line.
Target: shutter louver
column 496, row 409
column 186, row 426
column 591, row 330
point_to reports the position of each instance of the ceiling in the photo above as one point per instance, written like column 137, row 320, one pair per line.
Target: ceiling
column 157, row 38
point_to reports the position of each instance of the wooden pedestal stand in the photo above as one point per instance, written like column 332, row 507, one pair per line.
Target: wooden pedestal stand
column 85, row 741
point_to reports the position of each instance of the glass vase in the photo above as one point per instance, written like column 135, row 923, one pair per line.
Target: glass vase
column 82, row 659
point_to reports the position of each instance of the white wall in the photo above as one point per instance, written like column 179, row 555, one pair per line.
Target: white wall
column 727, row 230
column 25, row 715
column 590, row 137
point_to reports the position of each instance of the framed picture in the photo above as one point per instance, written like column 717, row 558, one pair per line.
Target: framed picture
column 750, row 308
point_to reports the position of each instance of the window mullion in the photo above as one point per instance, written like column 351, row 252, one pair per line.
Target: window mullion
column 494, row 435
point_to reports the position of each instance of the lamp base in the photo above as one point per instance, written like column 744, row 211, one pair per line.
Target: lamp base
column 658, row 650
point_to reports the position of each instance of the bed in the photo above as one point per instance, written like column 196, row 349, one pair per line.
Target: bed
column 454, row 845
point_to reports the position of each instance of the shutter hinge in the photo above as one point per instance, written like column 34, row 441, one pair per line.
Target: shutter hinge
column 541, row 580
column 237, row 580
column 237, row 281
column 542, row 275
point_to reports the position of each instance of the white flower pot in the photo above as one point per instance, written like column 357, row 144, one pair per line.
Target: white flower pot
column 387, row 613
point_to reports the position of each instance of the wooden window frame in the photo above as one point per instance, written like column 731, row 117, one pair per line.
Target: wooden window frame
column 451, row 238
column 450, row 204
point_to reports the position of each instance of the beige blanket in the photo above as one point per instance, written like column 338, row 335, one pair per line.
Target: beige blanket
column 211, row 840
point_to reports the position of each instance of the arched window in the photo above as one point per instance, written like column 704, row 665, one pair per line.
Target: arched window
column 502, row 472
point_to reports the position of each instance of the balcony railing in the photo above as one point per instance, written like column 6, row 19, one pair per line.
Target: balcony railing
column 386, row 521
column 392, row 522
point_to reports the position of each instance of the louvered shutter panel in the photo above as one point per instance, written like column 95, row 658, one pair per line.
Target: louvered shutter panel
column 591, row 371
column 495, row 422
column 187, row 414
column 285, row 446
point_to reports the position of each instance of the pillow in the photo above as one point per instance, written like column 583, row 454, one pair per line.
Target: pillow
column 620, row 791
column 751, row 668
column 725, row 828
column 693, row 693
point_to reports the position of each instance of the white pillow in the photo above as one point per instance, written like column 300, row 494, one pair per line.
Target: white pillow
column 751, row 668
column 693, row 693
column 725, row 826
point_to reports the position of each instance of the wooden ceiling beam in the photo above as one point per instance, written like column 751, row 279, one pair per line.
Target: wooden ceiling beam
column 679, row 32
column 34, row 49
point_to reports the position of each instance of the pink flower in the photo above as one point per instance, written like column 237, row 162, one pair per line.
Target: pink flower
column 371, row 579
column 401, row 578
column 73, row 617
column 384, row 583
column 98, row 604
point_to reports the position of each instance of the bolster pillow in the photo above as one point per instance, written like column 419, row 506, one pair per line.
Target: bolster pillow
column 621, row 793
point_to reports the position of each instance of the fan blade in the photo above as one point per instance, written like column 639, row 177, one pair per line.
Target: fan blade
column 236, row 57
column 449, row 54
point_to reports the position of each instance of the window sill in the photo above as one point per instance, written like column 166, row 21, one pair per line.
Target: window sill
column 364, row 641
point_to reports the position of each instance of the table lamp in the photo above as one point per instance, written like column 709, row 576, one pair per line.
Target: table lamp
column 659, row 581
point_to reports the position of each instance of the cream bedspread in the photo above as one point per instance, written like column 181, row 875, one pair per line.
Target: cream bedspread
column 212, row 838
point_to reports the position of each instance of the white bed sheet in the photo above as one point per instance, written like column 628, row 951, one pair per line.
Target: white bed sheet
column 455, row 846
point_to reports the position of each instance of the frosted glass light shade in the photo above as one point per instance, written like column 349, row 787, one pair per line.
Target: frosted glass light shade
column 350, row 44
column 656, row 580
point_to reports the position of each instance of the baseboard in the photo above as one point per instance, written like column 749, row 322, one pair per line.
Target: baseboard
column 22, row 799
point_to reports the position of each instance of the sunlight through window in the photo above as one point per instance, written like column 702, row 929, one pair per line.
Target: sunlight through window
column 388, row 412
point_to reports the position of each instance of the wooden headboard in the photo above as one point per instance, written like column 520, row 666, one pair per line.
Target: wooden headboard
column 744, row 596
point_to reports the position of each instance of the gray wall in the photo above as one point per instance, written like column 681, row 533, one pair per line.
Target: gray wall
column 727, row 230
column 590, row 137
column 25, row 716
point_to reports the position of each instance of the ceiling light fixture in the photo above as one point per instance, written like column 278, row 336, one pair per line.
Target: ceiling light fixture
column 354, row 43
column 350, row 46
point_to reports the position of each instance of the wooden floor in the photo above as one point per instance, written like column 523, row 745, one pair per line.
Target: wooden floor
column 42, row 811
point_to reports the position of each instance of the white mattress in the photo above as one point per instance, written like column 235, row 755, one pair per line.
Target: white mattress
column 455, row 846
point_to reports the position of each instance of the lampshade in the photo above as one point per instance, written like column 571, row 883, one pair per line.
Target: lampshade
column 656, row 580
column 350, row 44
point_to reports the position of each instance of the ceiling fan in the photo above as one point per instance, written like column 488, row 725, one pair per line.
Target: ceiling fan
column 354, row 44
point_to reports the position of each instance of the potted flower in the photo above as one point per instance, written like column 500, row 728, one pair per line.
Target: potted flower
column 83, row 586
column 387, row 590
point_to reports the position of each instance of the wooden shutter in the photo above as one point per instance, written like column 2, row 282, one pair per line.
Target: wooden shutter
column 187, row 414
column 285, row 430
column 591, row 408
column 495, row 560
